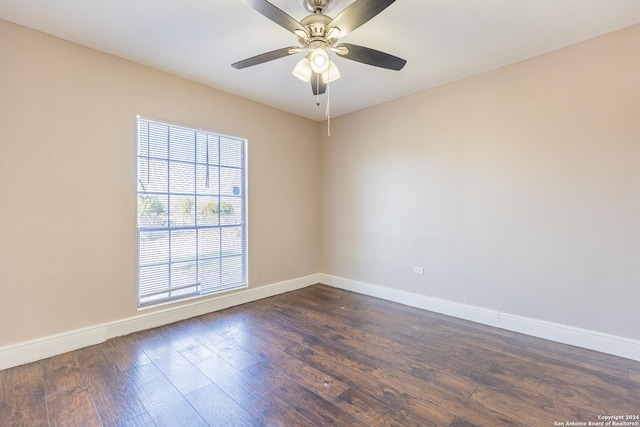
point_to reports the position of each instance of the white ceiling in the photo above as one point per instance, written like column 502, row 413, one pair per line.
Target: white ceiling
column 442, row 40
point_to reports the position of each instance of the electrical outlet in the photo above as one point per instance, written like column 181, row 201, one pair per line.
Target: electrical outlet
column 418, row 270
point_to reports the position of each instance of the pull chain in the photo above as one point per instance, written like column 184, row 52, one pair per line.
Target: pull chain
column 328, row 110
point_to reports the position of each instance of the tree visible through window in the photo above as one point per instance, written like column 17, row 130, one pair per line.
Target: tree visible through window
column 192, row 229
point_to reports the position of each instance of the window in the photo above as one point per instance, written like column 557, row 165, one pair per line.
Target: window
column 192, row 228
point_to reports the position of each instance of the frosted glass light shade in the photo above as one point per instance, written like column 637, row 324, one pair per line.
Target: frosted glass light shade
column 319, row 59
column 303, row 69
column 331, row 74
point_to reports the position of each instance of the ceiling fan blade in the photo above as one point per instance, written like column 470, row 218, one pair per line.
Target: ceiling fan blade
column 357, row 14
column 265, row 57
column 372, row 57
column 276, row 15
column 318, row 86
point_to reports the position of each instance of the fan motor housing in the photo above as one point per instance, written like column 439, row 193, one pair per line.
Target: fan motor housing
column 316, row 24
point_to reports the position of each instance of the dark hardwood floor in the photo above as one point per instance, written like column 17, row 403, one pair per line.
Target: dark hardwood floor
column 321, row 357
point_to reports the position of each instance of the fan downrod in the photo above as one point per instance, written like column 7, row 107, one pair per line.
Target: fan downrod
column 318, row 6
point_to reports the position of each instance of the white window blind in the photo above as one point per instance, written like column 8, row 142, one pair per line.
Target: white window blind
column 192, row 228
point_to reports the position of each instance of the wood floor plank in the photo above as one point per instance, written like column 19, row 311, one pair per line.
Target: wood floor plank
column 461, row 422
column 218, row 409
column 407, row 395
column 527, row 409
column 69, row 401
column 126, row 352
column 313, row 407
column 273, row 346
column 165, row 405
column 360, row 316
column 482, row 336
column 260, row 323
column 269, row 410
column 306, row 404
column 336, row 330
column 73, row 408
column 363, row 371
column 587, row 359
column 314, row 380
column 320, row 353
column 604, row 383
column 179, row 335
column 574, row 388
column 382, row 349
column 22, row 396
column 332, row 363
column 143, row 420
column 235, row 355
column 62, row 373
column 233, row 382
column 456, row 354
column 109, row 387
column 399, row 313
column 221, row 321
column 182, row 373
column 361, row 406
column 320, row 356
column 325, row 379
column 211, row 330
column 374, row 413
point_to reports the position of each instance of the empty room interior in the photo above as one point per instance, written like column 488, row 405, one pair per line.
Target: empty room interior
column 451, row 242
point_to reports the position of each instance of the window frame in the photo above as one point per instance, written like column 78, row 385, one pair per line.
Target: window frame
column 224, row 217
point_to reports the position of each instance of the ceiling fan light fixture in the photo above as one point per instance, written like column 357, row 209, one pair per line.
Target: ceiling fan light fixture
column 303, row 69
column 331, row 74
column 319, row 60
column 318, row 33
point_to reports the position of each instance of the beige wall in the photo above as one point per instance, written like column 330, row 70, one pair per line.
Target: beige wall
column 68, row 181
column 517, row 190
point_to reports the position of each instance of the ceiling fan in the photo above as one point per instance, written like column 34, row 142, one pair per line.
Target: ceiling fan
column 318, row 34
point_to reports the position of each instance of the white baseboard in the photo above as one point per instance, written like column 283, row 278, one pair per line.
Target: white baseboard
column 30, row 351
column 605, row 343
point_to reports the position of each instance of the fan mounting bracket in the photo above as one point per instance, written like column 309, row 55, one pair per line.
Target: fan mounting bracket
column 318, row 6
